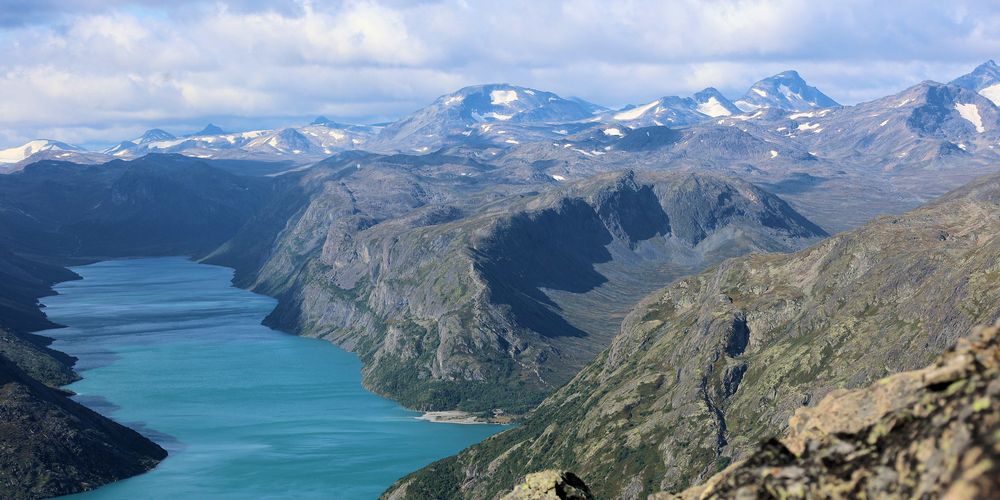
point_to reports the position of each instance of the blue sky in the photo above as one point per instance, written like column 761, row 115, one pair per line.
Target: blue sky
column 89, row 71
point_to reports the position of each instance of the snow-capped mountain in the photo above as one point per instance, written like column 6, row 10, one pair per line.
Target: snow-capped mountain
column 985, row 79
column 916, row 127
column 20, row 153
column 785, row 90
column 14, row 159
column 475, row 109
column 676, row 111
column 284, row 141
column 125, row 148
column 321, row 138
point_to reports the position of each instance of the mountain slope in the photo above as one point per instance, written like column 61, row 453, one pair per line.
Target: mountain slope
column 54, row 446
column 62, row 209
column 705, row 368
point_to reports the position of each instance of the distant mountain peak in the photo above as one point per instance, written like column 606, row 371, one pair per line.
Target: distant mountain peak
column 322, row 120
column 154, row 135
column 785, row 90
column 985, row 79
column 675, row 111
column 210, row 129
column 479, row 108
column 711, row 102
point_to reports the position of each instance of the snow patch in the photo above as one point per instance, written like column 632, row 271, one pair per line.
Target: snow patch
column 453, row 100
column 558, row 178
column 759, row 92
column 971, row 113
column 713, row 108
column 498, row 116
column 613, row 132
column 883, row 123
column 992, row 93
column 634, row 113
column 774, row 154
column 503, row 97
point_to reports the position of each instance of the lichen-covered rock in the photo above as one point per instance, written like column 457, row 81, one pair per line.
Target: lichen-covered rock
column 550, row 485
column 930, row 433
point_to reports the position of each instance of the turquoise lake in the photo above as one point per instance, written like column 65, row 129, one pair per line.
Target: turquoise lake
column 169, row 347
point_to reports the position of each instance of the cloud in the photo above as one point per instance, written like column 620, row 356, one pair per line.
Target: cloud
column 89, row 69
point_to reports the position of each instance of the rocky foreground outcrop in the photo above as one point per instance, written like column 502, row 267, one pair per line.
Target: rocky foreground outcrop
column 550, row 485
column 928, row 433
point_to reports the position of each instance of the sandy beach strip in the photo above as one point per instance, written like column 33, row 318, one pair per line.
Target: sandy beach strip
column 451, row 417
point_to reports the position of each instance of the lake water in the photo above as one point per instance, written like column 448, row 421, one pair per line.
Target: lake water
column 170, row 348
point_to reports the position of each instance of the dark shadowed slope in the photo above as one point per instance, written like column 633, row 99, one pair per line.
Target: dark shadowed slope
column 51, row 445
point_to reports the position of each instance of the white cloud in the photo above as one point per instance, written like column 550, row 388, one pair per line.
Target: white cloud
column 93, row 68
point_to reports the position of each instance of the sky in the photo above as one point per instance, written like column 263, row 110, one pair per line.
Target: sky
column 97, row 72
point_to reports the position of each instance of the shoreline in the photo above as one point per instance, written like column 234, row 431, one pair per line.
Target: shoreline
column 452, row 417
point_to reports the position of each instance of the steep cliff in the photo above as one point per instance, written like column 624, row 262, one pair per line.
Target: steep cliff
column 493, row 305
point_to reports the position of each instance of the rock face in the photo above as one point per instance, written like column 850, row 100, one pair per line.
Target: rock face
column 51, row 445
column 706, row 368
column 550, row 485
column 930, row 433
column 482, row 306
